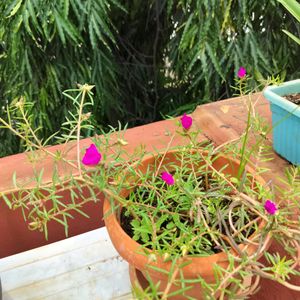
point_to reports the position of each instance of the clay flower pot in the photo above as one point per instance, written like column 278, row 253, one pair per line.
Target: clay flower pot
column 135, row 255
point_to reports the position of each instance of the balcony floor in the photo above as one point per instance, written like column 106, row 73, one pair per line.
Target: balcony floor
column 82, row 267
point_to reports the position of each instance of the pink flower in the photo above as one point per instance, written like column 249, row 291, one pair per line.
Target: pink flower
column 241, row 72
column 270, row 207
column 186, row 121
column 167, row 178
column 92, row 156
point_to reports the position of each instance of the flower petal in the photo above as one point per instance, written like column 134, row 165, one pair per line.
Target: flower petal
column 270, row 207
column 186, row 121
column 167, row 178
column 92, row 156
column 241, row 72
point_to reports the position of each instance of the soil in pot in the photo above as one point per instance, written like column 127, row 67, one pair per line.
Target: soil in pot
column 294, row 98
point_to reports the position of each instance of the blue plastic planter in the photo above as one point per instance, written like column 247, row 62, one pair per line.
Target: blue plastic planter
column 285, row 120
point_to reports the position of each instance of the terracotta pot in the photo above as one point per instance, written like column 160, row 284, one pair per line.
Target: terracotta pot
column 133, row 252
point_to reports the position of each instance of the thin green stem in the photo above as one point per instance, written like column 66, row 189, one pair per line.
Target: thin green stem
column 79, row 129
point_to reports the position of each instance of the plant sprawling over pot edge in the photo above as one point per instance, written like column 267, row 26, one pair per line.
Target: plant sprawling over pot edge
column 198, row 218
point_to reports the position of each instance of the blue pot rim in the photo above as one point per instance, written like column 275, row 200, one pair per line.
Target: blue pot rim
column 273, row 94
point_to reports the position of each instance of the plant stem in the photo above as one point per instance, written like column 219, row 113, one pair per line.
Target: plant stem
column 78, row 130
column 268, row 276
column 243, row 160
column 38, row 147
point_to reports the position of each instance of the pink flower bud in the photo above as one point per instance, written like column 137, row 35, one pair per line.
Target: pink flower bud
column 241, row 72
column 186, row 121
column 270, row 207
column 167, row 178
column 92, row 156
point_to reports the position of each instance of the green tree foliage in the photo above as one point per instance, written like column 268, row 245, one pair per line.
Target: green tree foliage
column 214, row 38
column 48, row 46
column 147, row 58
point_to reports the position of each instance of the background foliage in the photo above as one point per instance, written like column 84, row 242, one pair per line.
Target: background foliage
column 147, row 58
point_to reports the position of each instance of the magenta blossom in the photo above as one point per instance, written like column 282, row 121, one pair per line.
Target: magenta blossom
column 241, row 72
column 167, row 178
column 186, row 121
column 270, row 207
column 92, row 156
